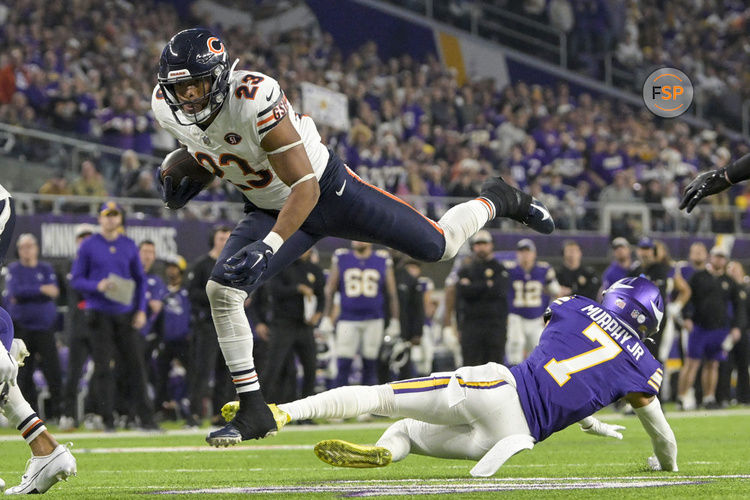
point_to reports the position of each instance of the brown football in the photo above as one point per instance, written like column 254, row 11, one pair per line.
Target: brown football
column 179, row 163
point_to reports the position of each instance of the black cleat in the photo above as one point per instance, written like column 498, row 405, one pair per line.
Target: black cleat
column 254, row 420
column 517, row 205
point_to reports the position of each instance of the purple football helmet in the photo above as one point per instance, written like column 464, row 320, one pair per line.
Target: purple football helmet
column 637, row 302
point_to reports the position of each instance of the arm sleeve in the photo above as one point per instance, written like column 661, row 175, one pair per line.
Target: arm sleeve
column 662, row 437
column 739, row 170
column 79, row 273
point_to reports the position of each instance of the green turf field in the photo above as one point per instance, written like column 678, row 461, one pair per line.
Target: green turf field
column 714, row 461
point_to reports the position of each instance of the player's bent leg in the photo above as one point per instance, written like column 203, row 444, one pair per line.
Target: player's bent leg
column 432, row 440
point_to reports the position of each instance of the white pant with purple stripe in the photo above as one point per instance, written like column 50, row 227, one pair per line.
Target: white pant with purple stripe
column 459, row 414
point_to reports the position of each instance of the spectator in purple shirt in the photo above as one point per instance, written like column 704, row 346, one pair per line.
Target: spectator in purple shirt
column 31, row 290
column 105, row 262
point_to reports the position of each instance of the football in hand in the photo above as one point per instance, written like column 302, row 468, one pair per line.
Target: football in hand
column 179, row 163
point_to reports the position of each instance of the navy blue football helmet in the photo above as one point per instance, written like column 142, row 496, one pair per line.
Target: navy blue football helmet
column 195, row 54
column 637, row 302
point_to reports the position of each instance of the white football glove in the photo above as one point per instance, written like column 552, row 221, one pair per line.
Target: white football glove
column 8, row 367
column 674, row 309
column 326, row 326
column 598, row 428
column 394, row 329
column 19, row 351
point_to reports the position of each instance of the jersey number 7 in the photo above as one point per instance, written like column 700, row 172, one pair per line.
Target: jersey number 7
column 608, row 349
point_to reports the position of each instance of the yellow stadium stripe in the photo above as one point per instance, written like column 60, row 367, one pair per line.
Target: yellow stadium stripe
column 452, row 56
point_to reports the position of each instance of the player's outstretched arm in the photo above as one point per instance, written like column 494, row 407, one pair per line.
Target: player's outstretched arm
column 649, row 412
column 591, row 425
column 715, row 181
column 290, row 162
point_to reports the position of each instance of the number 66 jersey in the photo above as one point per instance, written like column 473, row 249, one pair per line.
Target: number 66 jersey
column 586, row 359
column 230, row 145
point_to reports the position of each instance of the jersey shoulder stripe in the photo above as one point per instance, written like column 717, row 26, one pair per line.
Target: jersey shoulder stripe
column 656, row 379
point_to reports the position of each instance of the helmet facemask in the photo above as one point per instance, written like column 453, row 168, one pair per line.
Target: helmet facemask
column 217, row 83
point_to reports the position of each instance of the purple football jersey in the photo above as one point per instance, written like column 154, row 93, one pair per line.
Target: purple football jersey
column 362, row 284
column 586, row 359
column 527, row 297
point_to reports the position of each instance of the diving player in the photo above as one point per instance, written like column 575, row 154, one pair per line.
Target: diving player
column 590, row 354
column 50, row 461
column 364, row 279
column 241, row 126
column 532, row 284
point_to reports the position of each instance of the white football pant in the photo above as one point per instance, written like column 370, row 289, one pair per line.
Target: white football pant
column 523, row 337
column 365, row 337
column 460, row 414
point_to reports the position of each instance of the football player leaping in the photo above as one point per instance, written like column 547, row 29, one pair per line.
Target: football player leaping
column 589, row 355
column 50, row 461
column 240, row 126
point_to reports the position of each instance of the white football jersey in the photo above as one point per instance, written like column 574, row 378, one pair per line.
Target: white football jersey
column 230, row 146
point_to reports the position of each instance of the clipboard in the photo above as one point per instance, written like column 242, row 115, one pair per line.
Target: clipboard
column 122, row 291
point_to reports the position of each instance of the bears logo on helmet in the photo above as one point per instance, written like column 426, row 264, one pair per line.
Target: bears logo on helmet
column 195, row 55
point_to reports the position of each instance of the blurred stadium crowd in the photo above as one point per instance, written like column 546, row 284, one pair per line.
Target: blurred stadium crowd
column 415, row 129
column 705, row 38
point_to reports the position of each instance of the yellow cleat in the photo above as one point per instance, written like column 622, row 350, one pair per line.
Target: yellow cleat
column 344, row 454
column 282, row 418
column 229, row 410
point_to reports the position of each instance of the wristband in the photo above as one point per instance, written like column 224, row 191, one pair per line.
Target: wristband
column 274, row 241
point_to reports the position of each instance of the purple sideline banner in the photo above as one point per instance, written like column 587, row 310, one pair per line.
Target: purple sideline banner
column 189, row 238
column 56, row 234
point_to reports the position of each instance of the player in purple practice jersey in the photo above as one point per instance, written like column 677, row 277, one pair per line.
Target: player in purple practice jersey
column 589, row 355
column 532, row 283
column 364, row 278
